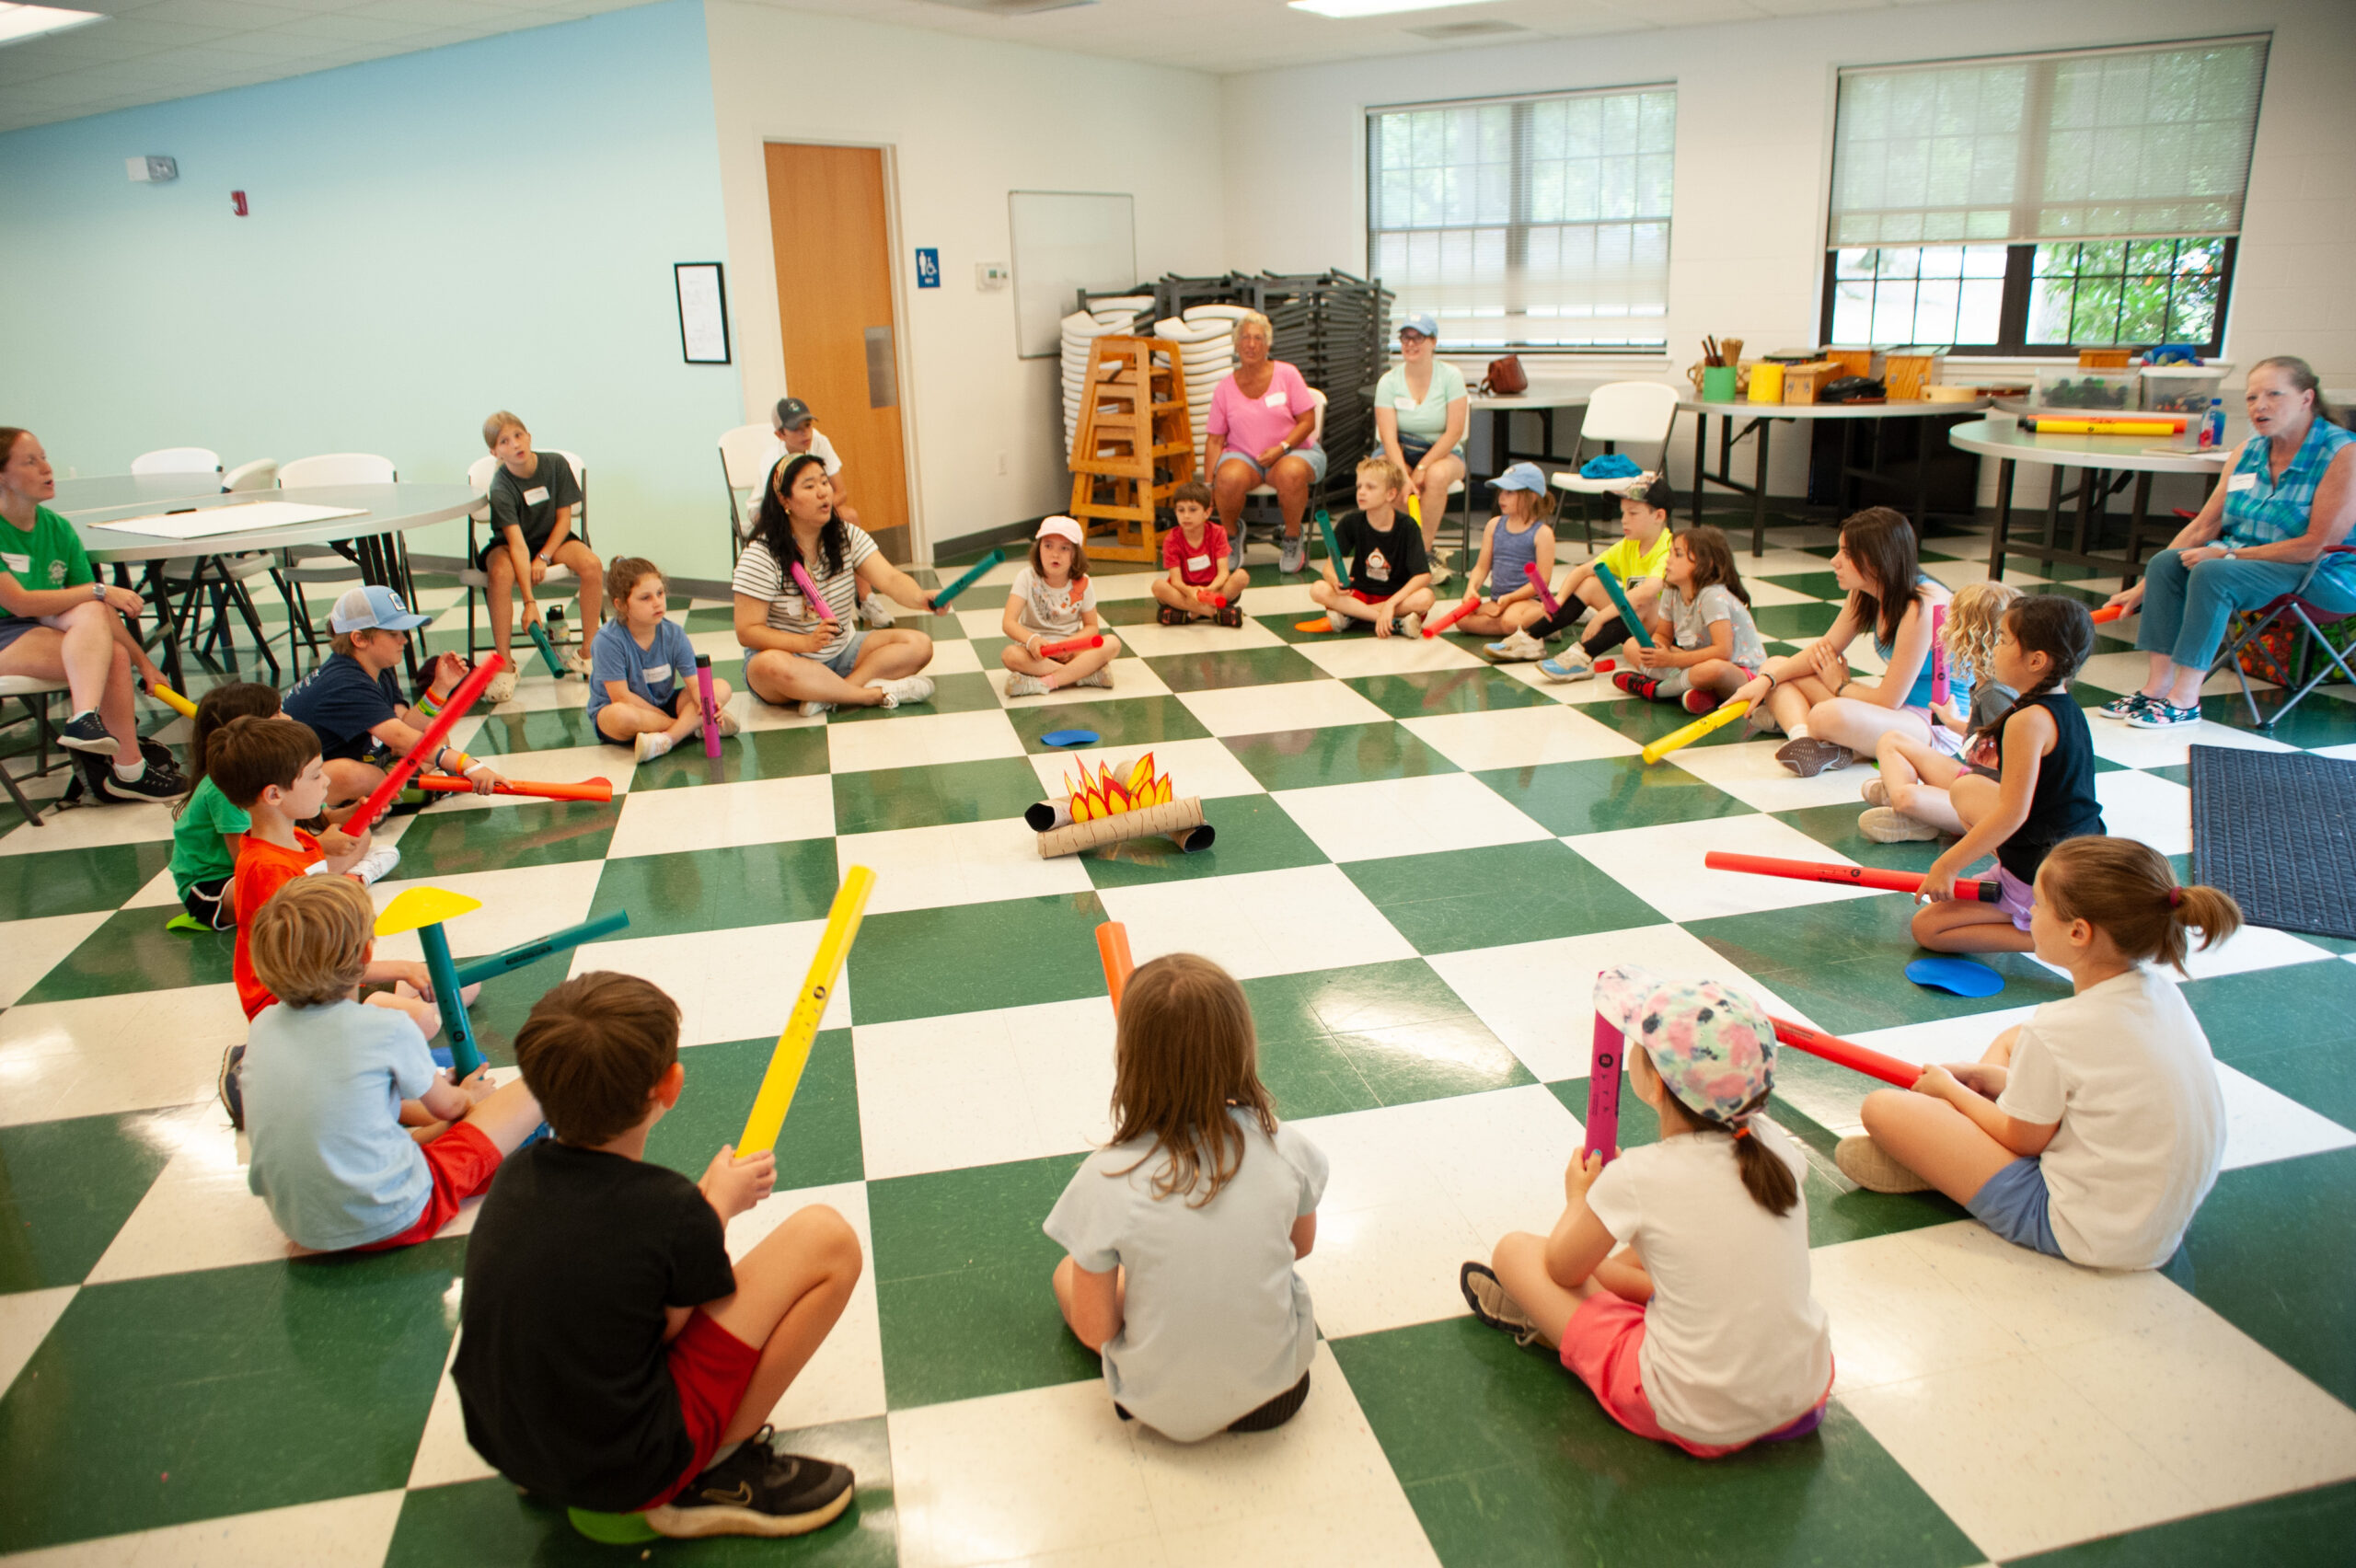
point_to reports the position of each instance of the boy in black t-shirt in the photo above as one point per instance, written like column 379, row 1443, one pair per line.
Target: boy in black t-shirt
column 533, row 497
column 609, row 1357
column 1390, row 574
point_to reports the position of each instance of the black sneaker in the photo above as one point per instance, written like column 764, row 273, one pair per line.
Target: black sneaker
column 160, row 782
column 1171, row 616
column 758, row 1492
column 233, row 1094
column 85, row 732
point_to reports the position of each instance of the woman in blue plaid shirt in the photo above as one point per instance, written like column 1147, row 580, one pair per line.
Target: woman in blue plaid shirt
column 2289, row 495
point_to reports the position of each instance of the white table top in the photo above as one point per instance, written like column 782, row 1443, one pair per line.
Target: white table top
column 2118, row 452
column 1907, row 408
column 386, row 509
column 147, row 491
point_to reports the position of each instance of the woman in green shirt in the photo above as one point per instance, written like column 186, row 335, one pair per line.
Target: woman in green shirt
column 1421, row 410
column 58, row 622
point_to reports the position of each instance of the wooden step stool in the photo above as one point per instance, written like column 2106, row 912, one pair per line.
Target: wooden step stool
column 1134, row 445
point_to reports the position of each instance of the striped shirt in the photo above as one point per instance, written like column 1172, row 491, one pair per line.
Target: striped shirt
column 759, row 576
column 2262, row 510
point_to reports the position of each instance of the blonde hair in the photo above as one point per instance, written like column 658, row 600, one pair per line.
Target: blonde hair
column 1382, row 464
column 1974, row 615
column 1185, row 1054
column 310, row 941
column 2126, row 889
column 1252, row 319
column 498, row 424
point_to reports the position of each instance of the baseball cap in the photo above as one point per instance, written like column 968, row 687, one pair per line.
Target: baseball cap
column 1522, row 477
column 1656, row 491
column 1713, row 1045
column 372, row 608
column 792, row 413
column 1420, row 322
column 1062, row 528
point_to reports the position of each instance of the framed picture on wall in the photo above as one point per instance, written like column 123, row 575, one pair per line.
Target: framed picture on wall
column 703, row 312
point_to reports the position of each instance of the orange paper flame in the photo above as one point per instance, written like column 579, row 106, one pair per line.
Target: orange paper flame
column 1105, row 795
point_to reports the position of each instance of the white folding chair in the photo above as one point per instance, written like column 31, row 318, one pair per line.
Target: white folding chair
column 474, row 579
column 303, row 473
column 33, row 693
column 178, row 460
column 1638, row 412
column 261, row 474
column 1266, row 492
column 744, row 467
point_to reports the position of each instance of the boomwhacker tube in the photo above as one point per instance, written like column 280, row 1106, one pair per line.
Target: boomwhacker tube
column 380, row 799
column 1112, row 948
column 1471, row 602
column 942, row 597
column 1938, row 656
column 1070, row 645
column 1725, row 713
column 1966, row 888
column 1846, row 1053
column 1545, row 595
column 2108, row 613
column 172, row 701
column 1332, row 547
column 810, row 592
column 450, row 997
column 600, row 789
column 1603, row 1092
column 1628, row 617
column 711, row 709
column 482, row 969
column 547, row 649
column 776, row 1095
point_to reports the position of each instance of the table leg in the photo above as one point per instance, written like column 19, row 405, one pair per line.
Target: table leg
column 2135, row 517
column 1922, row 472
column 2003, row 520
column 161, row 604
column 2053, row 503
column 1700, row 460
column 1759, row 491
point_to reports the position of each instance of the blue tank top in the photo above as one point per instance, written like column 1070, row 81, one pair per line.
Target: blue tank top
column 1919, row 694
column 1509, row 554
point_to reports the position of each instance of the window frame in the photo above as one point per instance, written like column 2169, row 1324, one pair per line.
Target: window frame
column 1518, row 223
column 2020, row 287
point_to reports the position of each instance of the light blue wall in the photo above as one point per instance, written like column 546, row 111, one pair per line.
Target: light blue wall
column 487, row 225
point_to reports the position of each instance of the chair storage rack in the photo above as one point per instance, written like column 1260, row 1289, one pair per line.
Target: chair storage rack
column 1135, row 444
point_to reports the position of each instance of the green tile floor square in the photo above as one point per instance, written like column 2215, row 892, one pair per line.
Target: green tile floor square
column 133, row 951
column 965, row 958
column 1236, row 667
column 886, row 798
column 1120, row 723
column 548, row 729
column 962, row 693
column 65, row 1189
column 1447, row 902
column 1254, row 834
column 1482, row 689
column 1609, row 793
column 1376, row 1034
column 751, row 754
column 1337, row 754
column 539, row 833
column 77, row 882
column 819, row 1145
column 708, row 890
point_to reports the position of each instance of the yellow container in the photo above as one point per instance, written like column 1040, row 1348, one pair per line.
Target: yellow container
column 1766, row 382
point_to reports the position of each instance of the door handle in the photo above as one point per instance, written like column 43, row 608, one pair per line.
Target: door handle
column 883, row 371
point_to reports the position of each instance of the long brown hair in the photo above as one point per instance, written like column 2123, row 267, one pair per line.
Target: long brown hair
column 2126, row 889
column 231, row 699
column 1713, row 559
column 1880, row 543
column 1186, row 1053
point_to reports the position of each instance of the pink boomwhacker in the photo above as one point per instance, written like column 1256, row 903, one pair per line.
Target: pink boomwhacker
column 711, row 714
column 1471, row 602
column 1603, row 1092
column 810, row 592
column 1938, row 656
column 1545, row 595
column 1070, row 645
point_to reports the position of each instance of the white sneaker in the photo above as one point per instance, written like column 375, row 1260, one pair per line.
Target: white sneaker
column 1411, row 623
column 908, row 688
column 652, row 743
column 728, row 724
column 376, row 863
column 1884, row 826
column 1574, row 665
column 1517, row 645
column 1102, row 678
column 1874, row 790
column 1019, row 684
column 578, row 662
column 502, row 688
column 875, row 610
column 813, row 710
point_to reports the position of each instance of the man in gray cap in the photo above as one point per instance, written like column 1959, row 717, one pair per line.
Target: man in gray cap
column 797, row 431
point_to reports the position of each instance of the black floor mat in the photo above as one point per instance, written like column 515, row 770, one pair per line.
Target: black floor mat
column 2278, row 831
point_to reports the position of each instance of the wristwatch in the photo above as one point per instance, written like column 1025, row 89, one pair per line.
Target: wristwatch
column 542, row 558
column 97, row 589
column 2228, row 554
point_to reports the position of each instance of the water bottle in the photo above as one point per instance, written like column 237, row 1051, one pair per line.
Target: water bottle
column 2212, row 425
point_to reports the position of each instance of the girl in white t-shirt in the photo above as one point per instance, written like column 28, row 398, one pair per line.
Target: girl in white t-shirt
column 1675, row 1282
column 1053, row 600
column 2093, row 1131
column 1183, row 1230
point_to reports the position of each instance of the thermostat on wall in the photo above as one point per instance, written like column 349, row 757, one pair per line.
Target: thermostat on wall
column 992, row 275
column 153, row 169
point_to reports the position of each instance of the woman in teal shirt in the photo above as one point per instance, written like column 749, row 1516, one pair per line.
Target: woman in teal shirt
column 59, row 623
column 2288, row 496
column 1420, row 411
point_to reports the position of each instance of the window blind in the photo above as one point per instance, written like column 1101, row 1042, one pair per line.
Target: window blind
column 2101, row 144
column 1537, row 222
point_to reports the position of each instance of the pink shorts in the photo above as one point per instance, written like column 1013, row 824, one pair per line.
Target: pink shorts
column 2014, row 896
column 1602, row 1347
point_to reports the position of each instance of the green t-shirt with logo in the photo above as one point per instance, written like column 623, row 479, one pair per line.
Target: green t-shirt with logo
column 47, row 557
column 198, row 851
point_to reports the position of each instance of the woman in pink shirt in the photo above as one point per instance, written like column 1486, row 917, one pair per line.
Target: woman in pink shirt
column 1259, row 427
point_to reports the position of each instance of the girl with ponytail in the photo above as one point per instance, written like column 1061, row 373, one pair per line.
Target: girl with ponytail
column 2093, row 1131
column 1676, row 1282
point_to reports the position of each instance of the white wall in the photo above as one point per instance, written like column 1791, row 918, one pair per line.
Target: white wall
column 1754, row 129
column 966, row 123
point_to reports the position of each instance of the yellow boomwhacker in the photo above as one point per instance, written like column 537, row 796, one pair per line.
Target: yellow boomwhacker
column 1725, row 713
column 792, row 1054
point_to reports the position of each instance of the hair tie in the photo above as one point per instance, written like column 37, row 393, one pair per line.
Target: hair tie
column 2176, row 896
column 1742, row 1128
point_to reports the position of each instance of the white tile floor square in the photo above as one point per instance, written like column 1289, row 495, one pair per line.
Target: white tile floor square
column 704, row 972
column 1518, row 737
column 1748, row 770
column 1131, row 677
column 956, row 863
column 518, row 905
column 984, row 1088
column 1292, row 704
column 723, row 816
column 132, row 1052
column 1663, row 866
column 1257, row 923
column 1428, row 815
column 1363, row 653
column 918, row 740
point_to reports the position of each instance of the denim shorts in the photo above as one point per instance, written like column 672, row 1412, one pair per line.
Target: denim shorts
column 1312, row 456
column 841, row 660
column 2013, row 1203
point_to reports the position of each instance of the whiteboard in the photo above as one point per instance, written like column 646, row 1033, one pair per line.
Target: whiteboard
column 1065, row 241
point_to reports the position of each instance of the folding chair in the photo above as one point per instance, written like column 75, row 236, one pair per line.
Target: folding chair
column 33, row 694
column 1638, row 412
column 744, row 467
column 331, row 468
column 2303, row 616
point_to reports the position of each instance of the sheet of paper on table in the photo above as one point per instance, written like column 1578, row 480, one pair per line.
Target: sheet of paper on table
column 240, row 518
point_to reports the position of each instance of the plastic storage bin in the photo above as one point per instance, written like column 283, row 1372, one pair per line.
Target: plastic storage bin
column 2105, row 391
column 2183, row 389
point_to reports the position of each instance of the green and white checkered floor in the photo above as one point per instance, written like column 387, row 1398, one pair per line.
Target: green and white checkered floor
column 1422, row 860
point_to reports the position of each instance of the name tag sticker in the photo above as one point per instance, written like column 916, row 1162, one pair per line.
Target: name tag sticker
column 1274, row 399
column 657, row 673
column 1406, row 405
column 538, row 495
column 1199, row 563
column 2242, row 482
column 15, row 562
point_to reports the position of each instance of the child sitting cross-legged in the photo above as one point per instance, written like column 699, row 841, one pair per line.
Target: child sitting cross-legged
column 610, row 1357
column 642, row 688
column 1199, row 565
column 1520, row 537
column 1705, row 642
column 1390, row 577
column 1675, row 1282
column 1183, row 1230
column 1636, row 562
column 2092, row 1131
column 206, row 829
column 328, row 1084
column 1053, row 600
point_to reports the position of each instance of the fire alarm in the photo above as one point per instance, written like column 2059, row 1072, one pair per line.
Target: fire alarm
column 238, row 202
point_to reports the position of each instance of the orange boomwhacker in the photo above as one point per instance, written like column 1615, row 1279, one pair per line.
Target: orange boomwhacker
column 1112, row 948
column 1846, row 1053
column 2108, row 613
column 1070, row 645
column 589, row 789
column 1471, row 602
column 1966, row 888
column 380, row 799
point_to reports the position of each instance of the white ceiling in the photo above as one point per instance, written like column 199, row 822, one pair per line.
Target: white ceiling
column 151, row 51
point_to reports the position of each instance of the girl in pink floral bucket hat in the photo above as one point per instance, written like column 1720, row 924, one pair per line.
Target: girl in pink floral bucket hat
column 1675, row 1282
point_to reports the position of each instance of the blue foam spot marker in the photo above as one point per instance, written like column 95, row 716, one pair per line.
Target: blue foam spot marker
column 1069, row 738
column 1960, row 975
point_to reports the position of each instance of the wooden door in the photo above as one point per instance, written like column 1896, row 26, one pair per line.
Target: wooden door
column 829, row 229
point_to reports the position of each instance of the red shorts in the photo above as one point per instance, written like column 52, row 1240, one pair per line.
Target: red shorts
column 711, row 1368
column 1603, row 1345
column 1365, row 598
column 462, row 1162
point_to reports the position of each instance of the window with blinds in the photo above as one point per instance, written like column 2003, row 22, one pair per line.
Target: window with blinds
column 1533, row 223
column 2044, row 202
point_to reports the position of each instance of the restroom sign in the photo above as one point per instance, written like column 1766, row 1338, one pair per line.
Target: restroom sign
column 929, row 267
